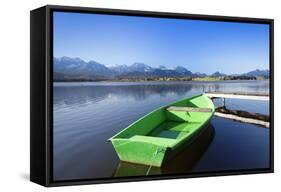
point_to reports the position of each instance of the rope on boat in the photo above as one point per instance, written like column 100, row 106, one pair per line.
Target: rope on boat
column 152, row 158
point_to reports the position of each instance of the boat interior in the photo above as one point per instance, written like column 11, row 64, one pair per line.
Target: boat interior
column 168, row 125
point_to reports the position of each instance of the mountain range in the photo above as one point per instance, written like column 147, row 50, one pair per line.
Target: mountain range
column 66, row 68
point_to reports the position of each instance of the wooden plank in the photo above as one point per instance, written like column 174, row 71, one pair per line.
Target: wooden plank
column 238, row 95
column 243, row 119
column 243, row 116
column 189, row 109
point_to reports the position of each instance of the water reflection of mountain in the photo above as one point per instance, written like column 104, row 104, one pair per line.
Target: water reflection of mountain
column 182, row 163
column 71, row 94
column 85, row 93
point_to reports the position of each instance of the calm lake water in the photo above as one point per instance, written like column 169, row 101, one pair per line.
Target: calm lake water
column 87, row 114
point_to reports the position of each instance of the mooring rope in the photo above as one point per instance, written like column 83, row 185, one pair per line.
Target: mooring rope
column 152, row 158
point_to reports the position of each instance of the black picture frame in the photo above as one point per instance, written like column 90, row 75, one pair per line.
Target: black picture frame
column 41, row 82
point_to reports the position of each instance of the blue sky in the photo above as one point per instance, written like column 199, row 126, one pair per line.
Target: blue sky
column 200, row 46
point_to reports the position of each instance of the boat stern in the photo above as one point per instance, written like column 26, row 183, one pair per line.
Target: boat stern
column 140, row 152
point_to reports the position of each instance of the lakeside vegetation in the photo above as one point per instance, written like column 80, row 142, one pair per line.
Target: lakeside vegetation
column 164, row 79
column 223, row 78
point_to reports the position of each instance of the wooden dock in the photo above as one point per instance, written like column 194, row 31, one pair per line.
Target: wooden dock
column 241, row 116
column 238, row 95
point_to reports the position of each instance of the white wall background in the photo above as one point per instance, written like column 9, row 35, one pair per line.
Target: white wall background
column 14, row 102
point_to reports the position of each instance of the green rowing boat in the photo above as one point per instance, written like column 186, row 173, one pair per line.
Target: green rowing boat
column 159, row 135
